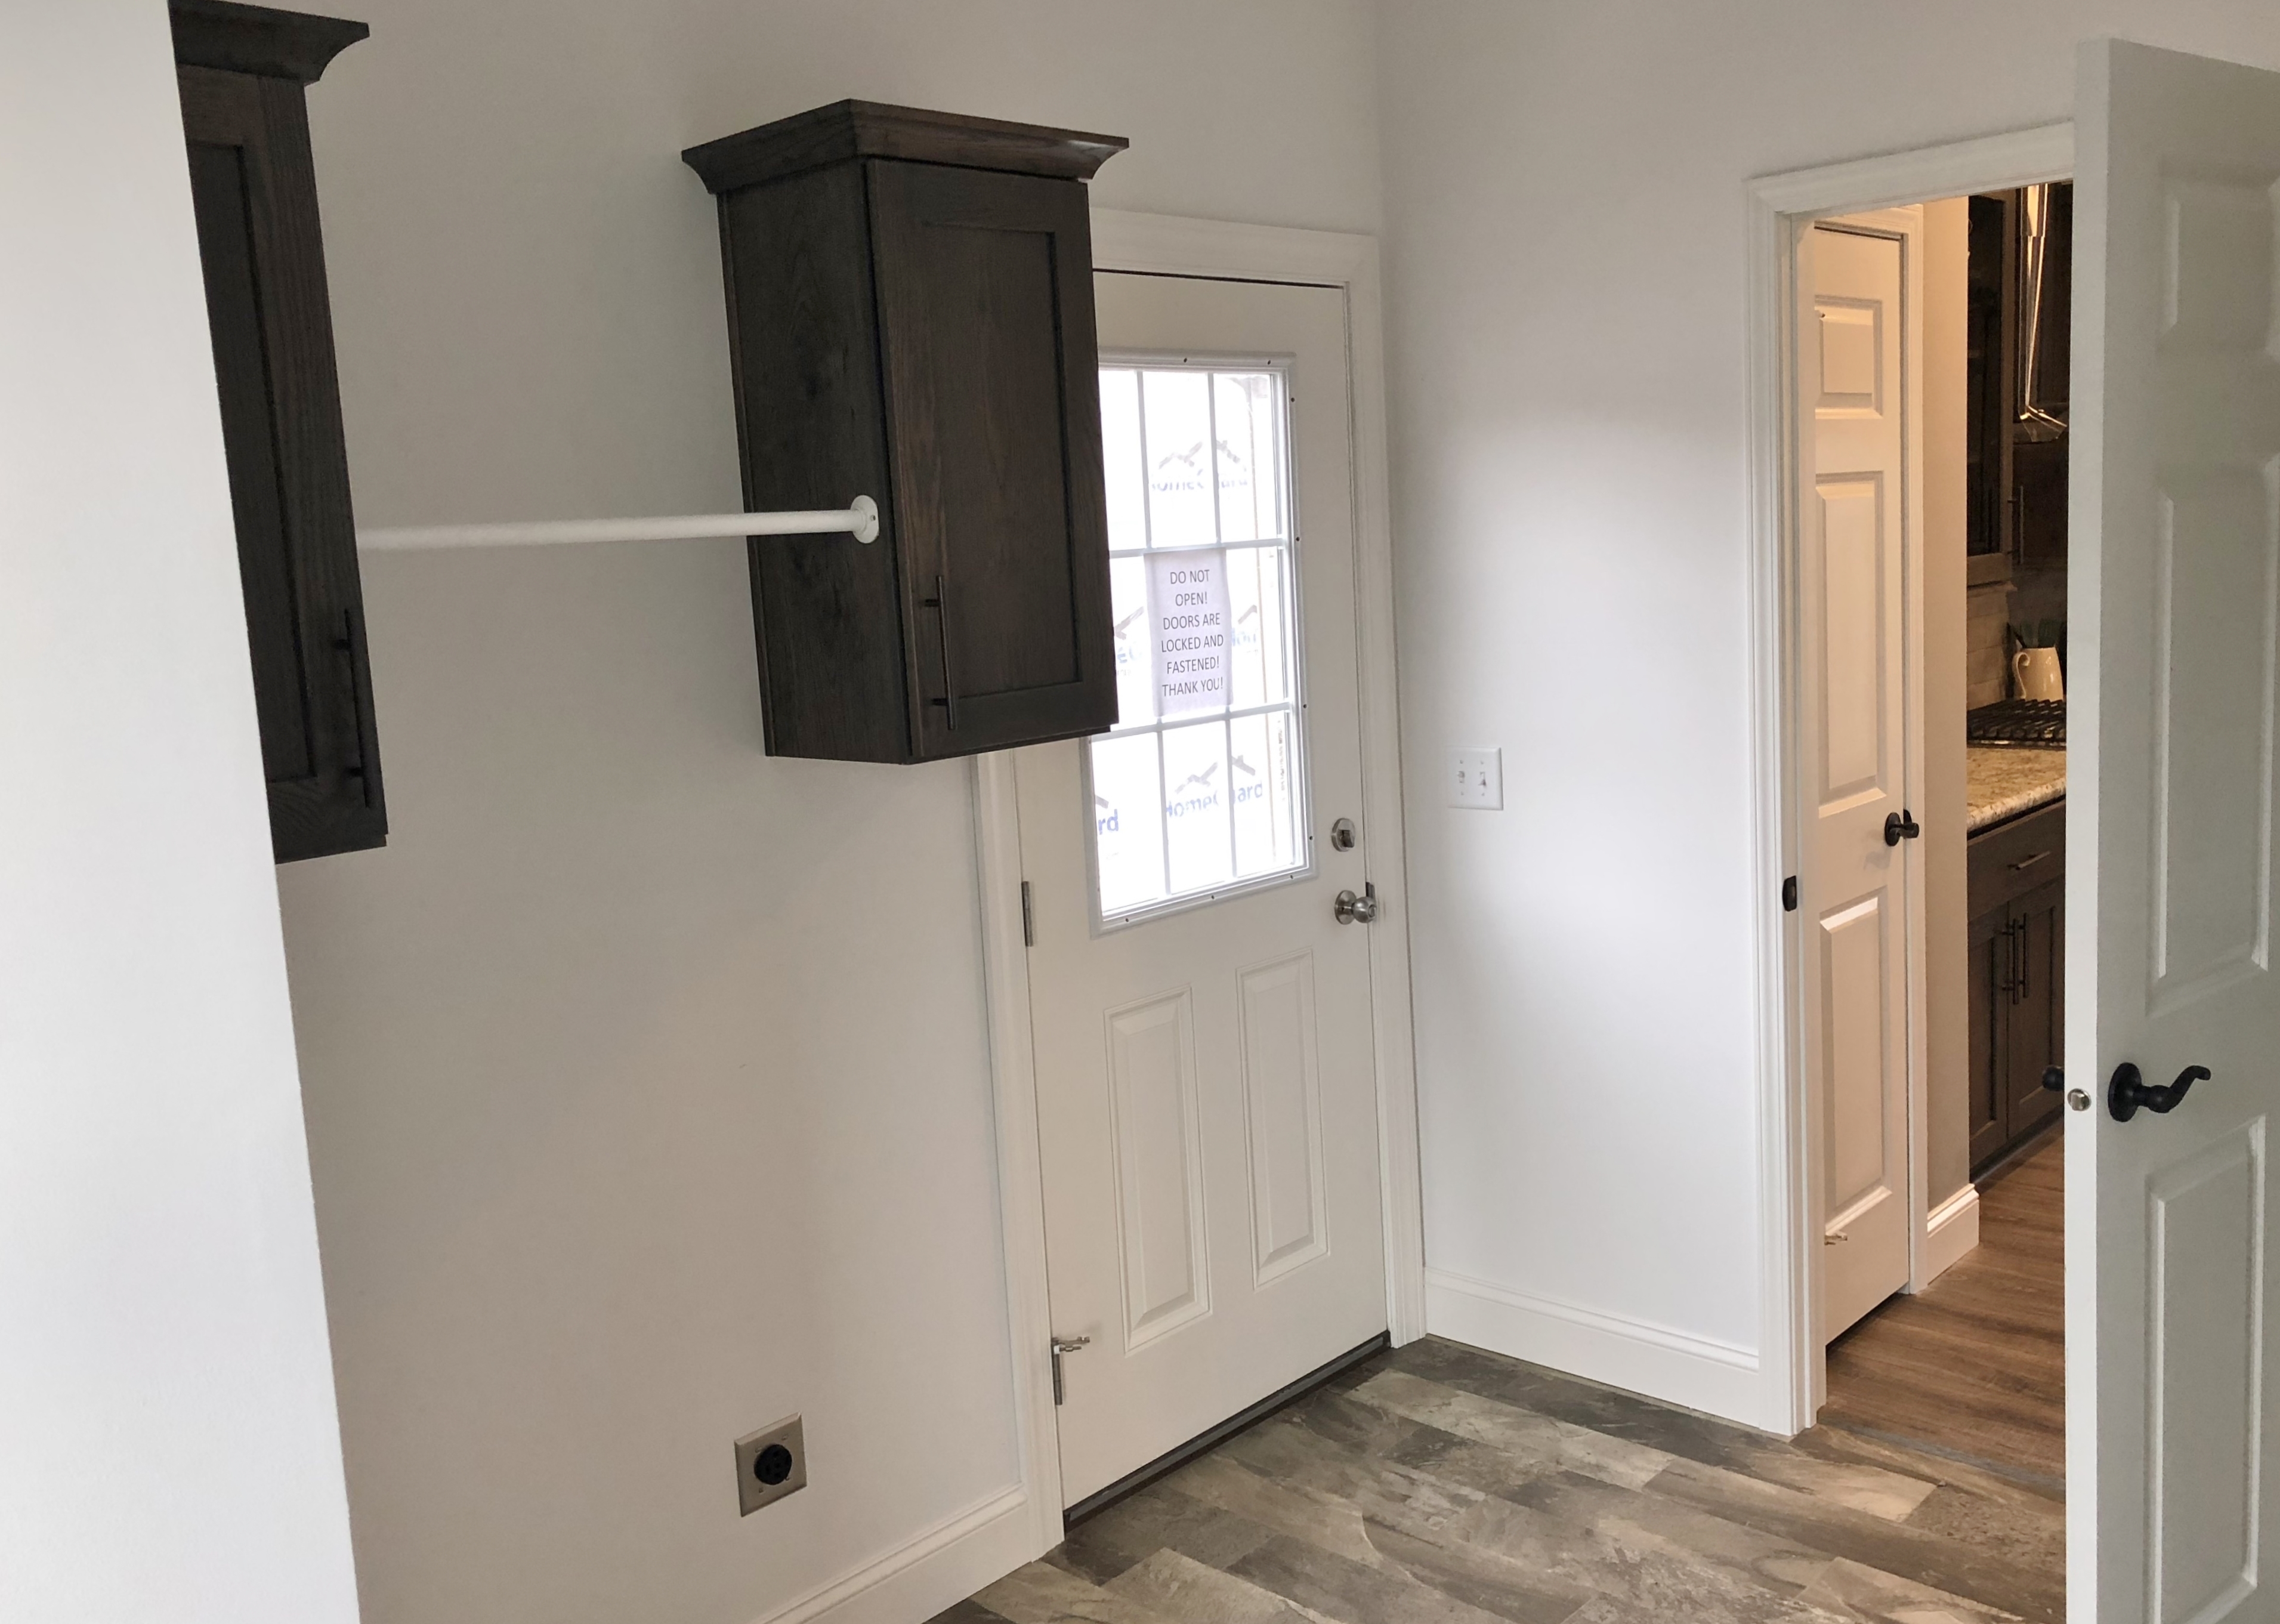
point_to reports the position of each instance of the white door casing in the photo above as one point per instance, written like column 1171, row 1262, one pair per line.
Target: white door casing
column 1206, row 1082
column 2175, row 590
column 1858, row 582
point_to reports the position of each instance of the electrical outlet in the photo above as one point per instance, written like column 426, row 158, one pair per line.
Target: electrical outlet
column 770, row 1463
column 1476, row 779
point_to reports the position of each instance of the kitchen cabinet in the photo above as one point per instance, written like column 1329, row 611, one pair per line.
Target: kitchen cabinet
column 910, row 318
column 242, row 70
column 2017, row 966
column 2018, row 326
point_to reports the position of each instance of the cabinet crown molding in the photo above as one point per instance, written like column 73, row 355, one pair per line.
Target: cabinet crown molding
column 846, row 130
column 258, row 38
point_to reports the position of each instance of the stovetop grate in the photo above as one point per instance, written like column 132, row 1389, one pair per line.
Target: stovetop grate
column 2035, row 724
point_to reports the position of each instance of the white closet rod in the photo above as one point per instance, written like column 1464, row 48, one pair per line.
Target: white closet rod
column 859, row 518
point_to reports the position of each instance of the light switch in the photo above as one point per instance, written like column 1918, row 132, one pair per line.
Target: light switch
column 1476, row 779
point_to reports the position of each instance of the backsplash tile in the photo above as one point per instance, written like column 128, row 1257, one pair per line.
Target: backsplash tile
column 1986, row 663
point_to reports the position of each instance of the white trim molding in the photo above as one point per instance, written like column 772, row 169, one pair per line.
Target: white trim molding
column 1950, row 1231
column 1777, row 208
column 936, row 1569
column 1020, row 1170
column 1169, row 246
column 1677, row 1366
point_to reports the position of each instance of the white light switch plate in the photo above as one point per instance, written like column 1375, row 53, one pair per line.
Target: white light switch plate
column 1476, row 779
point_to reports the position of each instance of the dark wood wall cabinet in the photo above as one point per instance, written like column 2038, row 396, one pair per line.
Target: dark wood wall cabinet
column 910, row 318
column 2018, row 368
column 254, row 190
column 2017, row 890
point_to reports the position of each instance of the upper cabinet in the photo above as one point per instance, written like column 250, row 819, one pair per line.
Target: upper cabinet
column 2021, row 310
column 242, row 69
column 911, row 318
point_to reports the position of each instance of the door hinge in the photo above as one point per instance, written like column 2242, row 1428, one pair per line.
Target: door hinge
column 1029, row 920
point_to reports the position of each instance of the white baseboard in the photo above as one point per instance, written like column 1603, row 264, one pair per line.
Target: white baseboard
column 939, row 1568
column 1952, row 1230
column 1676, row 1367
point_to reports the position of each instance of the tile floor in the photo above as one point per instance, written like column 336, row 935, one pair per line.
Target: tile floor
column 1436, row 1485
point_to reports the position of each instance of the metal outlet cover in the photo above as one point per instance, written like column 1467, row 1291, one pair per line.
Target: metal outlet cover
column 753, row 1490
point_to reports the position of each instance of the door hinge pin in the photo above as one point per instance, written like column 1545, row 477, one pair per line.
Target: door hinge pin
column 1029, row 920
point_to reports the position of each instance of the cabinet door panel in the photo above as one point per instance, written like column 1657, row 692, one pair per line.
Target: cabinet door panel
column 985, row 300
column 2037, row 1008
column 253, row 190
column 1990, row 949
column 802, row 328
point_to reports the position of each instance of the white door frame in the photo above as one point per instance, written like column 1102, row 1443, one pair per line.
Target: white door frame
column 1170, row 245
column 1780, row 207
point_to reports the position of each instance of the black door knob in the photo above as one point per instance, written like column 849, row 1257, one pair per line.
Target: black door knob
column 1900, row 825
column 2054, row 1079
column 2129, row 1090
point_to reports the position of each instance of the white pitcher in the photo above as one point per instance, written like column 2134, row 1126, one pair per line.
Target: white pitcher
column 2038, row 674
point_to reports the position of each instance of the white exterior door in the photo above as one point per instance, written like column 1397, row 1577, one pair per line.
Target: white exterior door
column 1206, row 1096
column 2175, row 557
column 1858, row 865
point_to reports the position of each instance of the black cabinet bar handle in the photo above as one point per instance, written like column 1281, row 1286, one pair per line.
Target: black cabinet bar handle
column 346, row 646
column 940, row 603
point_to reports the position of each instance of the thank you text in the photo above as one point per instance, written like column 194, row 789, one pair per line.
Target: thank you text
column 1186, row 611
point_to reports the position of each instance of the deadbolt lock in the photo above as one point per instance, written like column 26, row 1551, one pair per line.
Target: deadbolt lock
column 1341, row 835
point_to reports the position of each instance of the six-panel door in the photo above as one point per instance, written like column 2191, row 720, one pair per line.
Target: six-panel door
column 1852, row 591
column 2176, row 591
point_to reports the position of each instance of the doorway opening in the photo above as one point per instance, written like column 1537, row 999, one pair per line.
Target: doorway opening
column 1967, row 1356
column 1922, row 369
column 2174, row 559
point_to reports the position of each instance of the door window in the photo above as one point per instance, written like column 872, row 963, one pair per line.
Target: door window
column 1200, row 788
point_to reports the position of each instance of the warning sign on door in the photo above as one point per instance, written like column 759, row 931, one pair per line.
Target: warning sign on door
column 1187, row 609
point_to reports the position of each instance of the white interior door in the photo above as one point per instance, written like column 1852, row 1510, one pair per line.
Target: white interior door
column 2175, row 553
column 1206, row 1096
column 1857, row 871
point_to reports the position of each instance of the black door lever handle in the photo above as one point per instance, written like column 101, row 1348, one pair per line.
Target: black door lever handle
column 2129, row 1090
column 1900, row 825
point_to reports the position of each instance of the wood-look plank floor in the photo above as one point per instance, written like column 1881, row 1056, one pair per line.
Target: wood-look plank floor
column 1974, row 1365
column 1438, row 1484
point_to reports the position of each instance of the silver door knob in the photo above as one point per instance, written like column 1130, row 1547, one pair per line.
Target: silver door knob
column 1352, row 909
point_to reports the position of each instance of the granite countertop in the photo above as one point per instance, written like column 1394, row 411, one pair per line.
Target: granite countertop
column 2003, row 783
